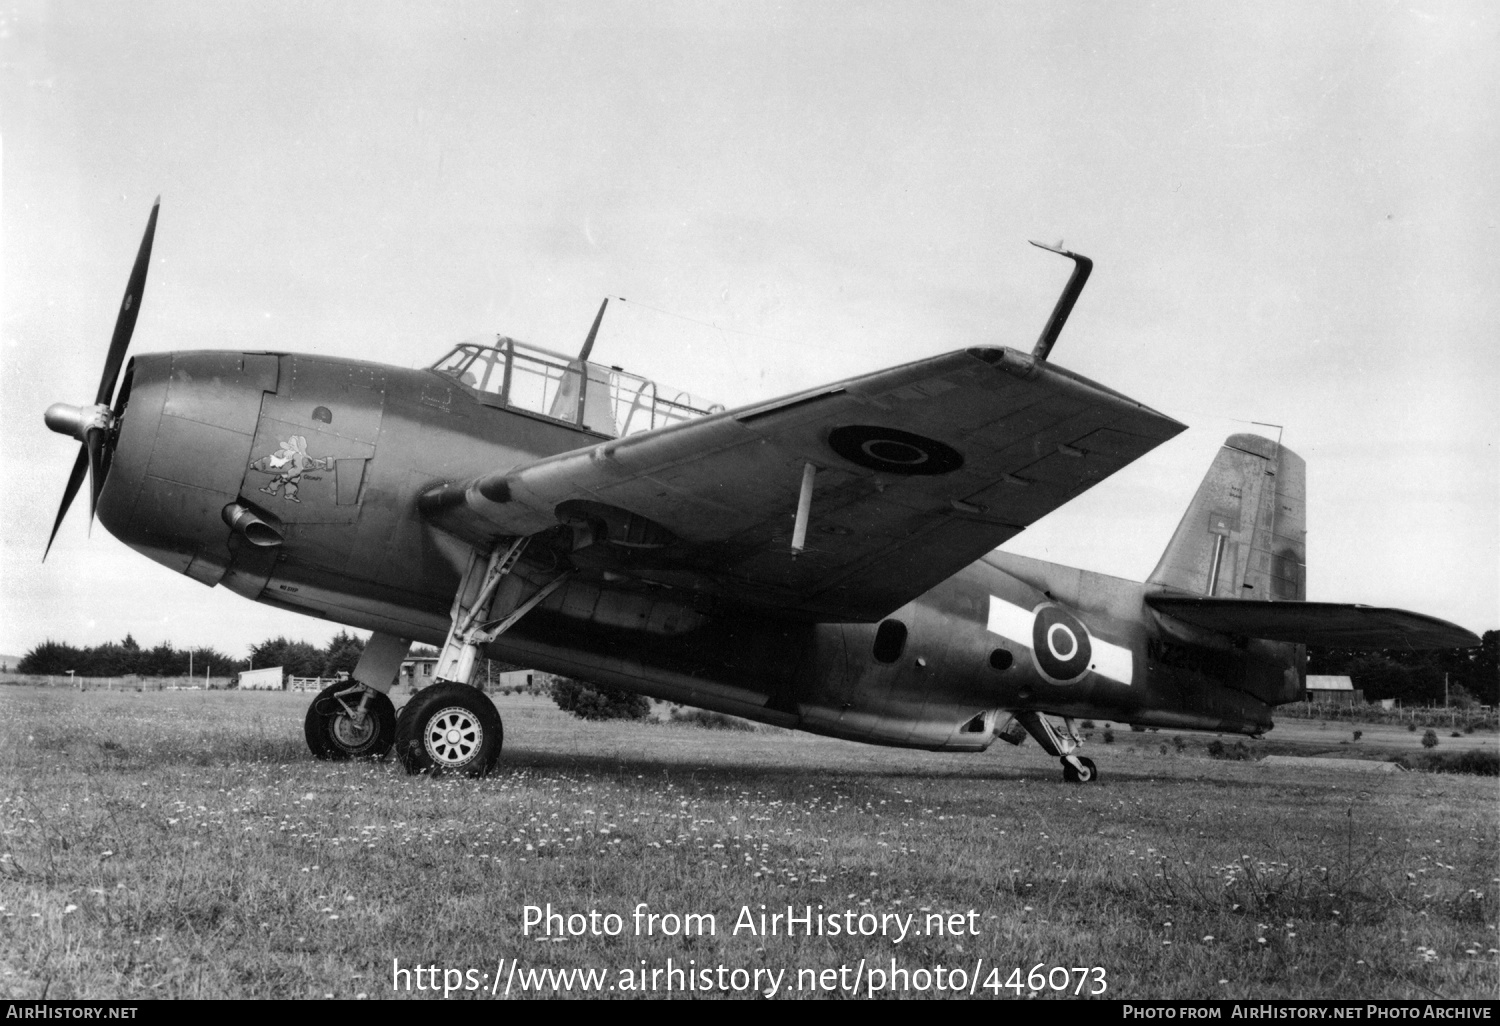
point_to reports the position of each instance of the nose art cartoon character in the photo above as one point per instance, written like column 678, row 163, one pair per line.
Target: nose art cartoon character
column 288, row 464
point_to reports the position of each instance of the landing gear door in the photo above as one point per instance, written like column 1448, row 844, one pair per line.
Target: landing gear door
column 310, row 461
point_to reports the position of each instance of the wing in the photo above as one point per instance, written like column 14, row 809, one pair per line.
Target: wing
column 1329, row 624
column 920, row 470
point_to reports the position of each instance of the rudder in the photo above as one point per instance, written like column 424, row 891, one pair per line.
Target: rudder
column 1245, row 533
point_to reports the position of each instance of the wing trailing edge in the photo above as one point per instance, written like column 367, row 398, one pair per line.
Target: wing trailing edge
column 1326, row 624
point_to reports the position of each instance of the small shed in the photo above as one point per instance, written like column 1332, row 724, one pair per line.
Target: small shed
column 1333, row 690
column 268, row 679
column 514, row 679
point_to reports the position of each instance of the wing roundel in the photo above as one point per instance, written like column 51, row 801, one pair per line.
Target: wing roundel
column 892, row 451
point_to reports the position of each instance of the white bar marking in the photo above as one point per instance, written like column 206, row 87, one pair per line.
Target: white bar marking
column 1113, row 661
column 1009, row 621
column 1013, row 623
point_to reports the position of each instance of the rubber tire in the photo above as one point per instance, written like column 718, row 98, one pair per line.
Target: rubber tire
column 1072, row 776
column 321, row 726
column 417, row 742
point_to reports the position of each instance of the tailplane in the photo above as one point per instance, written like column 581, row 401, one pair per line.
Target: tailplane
column 1245, row 534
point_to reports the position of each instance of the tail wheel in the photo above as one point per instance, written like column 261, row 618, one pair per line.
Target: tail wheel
column 449, row 728
column 335, row 729
column 1083, row 773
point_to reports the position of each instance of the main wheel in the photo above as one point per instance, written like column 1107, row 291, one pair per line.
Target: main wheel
column 1086, row 772
column 332, row 733
column 449, row 728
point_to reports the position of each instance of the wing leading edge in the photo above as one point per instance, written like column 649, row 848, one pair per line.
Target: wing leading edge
column 920, row 470
column 1327, row 624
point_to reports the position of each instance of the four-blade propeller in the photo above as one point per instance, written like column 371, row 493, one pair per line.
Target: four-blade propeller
column 92, row 425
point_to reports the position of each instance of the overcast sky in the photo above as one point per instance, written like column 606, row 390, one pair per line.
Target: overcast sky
column 1292, row 209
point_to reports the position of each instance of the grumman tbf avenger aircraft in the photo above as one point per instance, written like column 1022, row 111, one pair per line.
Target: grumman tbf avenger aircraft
column 824, row 561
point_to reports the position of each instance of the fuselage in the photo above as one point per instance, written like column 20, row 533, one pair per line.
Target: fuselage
column 333, row 455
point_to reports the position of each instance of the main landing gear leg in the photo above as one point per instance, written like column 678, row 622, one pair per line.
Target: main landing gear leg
column 355, row 718
column 1062, row 744
column 451, row 726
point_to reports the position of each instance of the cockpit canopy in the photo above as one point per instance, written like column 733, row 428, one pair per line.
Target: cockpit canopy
column 503, row 372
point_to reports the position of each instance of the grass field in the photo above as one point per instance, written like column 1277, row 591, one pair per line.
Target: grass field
column 185, row 845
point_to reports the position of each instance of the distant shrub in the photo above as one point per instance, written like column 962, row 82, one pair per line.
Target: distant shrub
column 1087, row 724
column 1136, row 728
column 1238, row 752
column 1429, row 739
column 1179, row 744
column 710, row 720
column 1479, row 763
column 1109, row 736
column 1358, row 734
column 1455, row 734
column 1412, row 727
column 598, row 701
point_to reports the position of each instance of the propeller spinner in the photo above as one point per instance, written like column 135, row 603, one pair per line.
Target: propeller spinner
column 93, row 425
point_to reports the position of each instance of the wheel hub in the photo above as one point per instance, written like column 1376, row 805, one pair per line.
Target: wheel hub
column 453, row 736
column 353, row 733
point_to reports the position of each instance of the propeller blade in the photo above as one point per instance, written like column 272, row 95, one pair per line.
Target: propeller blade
column 130, row 307
column 93, row 443
column 80, row 467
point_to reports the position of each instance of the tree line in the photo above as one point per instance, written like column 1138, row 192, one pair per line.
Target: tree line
column 119, row 659
column 1416, row 678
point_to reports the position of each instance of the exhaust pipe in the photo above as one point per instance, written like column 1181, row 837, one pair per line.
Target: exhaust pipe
column 248, row 524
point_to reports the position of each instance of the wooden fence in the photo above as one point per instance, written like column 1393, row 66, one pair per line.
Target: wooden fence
column 126, row 683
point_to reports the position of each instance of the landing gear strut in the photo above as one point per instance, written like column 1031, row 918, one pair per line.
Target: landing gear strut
column 452, row 727
column 1063, row 744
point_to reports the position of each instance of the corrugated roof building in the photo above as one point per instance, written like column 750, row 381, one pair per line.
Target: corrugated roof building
column 1333, row 690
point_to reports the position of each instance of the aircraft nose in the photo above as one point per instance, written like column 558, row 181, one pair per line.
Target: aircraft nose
column 184, row 446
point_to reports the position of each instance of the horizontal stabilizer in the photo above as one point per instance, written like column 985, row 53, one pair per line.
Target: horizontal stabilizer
column 1327, row 624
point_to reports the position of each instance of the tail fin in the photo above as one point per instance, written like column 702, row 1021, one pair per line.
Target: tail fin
column 1245, row 534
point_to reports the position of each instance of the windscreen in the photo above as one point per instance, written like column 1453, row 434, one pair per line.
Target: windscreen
column 607, row 400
